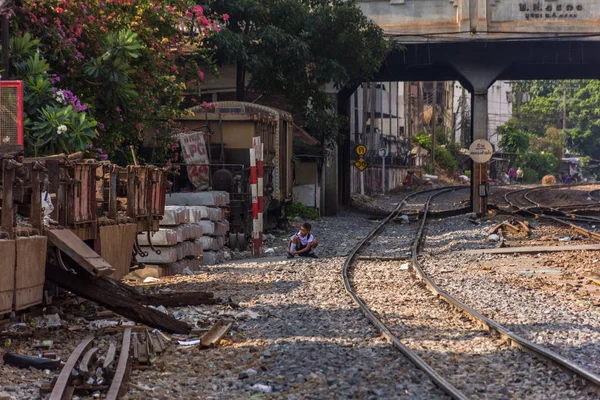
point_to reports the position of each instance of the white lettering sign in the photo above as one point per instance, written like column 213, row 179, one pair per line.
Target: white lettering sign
column 194, row 152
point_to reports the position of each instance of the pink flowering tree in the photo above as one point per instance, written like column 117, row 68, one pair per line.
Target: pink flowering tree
column 114, row 73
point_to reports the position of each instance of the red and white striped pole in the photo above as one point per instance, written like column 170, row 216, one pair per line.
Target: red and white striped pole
column 256, row 186
column 254, row 194
column 259, row 165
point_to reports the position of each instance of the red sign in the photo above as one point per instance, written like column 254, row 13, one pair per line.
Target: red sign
column 194, row 153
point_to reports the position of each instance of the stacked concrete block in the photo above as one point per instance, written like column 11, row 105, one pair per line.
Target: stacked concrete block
column 177, row 241
column 206, row 210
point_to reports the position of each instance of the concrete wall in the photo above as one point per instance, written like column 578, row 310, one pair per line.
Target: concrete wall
column 309, row 195
column 373, row 179
column 306, row 173
column 484, row 17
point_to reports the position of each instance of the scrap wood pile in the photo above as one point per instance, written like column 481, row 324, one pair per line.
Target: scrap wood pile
column 98, row 365
column 514, row 227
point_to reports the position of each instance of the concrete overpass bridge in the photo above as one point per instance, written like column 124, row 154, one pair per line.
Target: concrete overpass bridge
column 478, row 42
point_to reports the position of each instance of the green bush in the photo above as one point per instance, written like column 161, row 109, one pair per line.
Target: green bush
column 453, row 148
column 302, row 211
column 530, row 175
column 445, row 159
column 541, row 163
column 429, row 169
column 422, row 139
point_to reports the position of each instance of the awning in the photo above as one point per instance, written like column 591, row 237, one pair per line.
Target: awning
column 304, row 136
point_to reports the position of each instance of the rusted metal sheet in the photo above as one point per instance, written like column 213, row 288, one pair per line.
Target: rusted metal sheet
column 116, row 387
column 80, row 252
column 116, row 247
column 63, row 379
column 7, row 272
column 30, row 271
column 146, row 192
column 38, row 173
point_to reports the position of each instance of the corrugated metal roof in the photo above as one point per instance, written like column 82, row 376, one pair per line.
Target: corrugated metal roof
column 240, row 107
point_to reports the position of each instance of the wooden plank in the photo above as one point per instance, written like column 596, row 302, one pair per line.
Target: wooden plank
column 112, row 192
column 7, row 272
column 63, row 379
column 84, row 365
column 30, row 271
column 533, row 249
column 494, row 228
column 116, row 247
column 214, row 334
column 110, row 356
column 115, row 296
column 37, row 179
column 8, row 179
column 116, row 386
column 524, row 227
column 80, row 252
column 511, row 228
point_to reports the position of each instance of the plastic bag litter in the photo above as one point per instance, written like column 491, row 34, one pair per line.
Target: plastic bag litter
column 493, row 238
column 262, row 388
column 162, row 309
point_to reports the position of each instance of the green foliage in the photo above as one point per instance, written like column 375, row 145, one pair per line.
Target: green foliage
column 540, row 114
column 130, row 65
column 453, row 148
column 23, row 47
column 441, row 136
column 584, row 121
column 422, row 139
column 542, row 163
column 513, row 138
column 552, row 142
column 295, row 47
column 530, row 175
column 302, row 211
column 445, row 159
column 429, row 169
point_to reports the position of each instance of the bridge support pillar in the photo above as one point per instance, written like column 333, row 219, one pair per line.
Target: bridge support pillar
column 479, row 115
column 480, row 73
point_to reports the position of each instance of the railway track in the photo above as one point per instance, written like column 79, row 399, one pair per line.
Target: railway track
column 432, row 335
column 521, row 201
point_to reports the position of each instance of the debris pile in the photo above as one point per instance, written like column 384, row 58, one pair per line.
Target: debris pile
column 514, row 227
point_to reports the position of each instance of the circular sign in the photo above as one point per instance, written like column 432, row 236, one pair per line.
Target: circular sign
column 481, row 151
column 361, row 150
column 383, row 152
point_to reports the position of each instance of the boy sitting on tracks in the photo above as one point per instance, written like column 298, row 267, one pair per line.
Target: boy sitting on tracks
column 302, row 243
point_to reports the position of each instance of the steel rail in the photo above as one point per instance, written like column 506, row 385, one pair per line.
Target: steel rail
column 441, row 382
column 490, row 324
column 559, row 210
column 510, row 337
column 564, row 220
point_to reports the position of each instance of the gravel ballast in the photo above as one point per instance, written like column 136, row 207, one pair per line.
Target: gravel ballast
column 308, row 340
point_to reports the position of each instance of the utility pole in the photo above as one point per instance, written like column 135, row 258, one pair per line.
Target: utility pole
column 564, row 122
column 518, row 101
column 433, row 107
column 463, row 101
